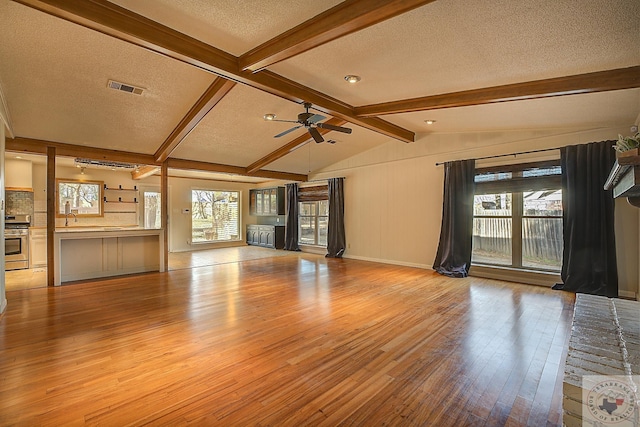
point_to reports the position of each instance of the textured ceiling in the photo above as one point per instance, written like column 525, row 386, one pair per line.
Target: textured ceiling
column 54, row 73
column 448, row 46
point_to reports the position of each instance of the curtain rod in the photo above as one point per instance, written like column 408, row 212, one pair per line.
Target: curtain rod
column 507, row 155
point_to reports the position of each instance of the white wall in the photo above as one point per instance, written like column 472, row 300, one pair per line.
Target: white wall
column 180, row 223
column 393, row 193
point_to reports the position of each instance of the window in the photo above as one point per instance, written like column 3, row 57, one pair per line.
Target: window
column 313, row 222
column 81, row 198
column 517, row 217
column 215, row 216
column 152, row 209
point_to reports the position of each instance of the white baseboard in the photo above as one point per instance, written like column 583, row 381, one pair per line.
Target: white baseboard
column 386, row 261
column 628, row 294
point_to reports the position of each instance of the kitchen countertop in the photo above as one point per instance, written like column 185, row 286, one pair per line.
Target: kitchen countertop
column 98, row 228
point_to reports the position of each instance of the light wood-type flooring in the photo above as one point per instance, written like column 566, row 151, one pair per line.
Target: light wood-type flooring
column 290, row 340
column 37, row 277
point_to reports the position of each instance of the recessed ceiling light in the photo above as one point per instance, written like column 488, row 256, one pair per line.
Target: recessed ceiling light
column 352, row 78
column 429, row 122
column 269, row 116
column 18, row 157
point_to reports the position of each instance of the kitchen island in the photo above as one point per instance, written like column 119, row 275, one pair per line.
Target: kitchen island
column 83, row 253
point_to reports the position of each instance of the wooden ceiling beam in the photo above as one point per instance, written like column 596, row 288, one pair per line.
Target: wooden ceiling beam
column 343, row 19
column 214, row 93
column 38, row 146
column 288, row 147
column 235, row 170
column 123, row 24
column 600, row 81
column 144, row 172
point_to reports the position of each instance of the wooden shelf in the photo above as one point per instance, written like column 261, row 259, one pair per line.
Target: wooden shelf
column 624, row 177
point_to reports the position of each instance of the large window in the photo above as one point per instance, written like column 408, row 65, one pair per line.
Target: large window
column 313, row 221
column 517, row 219
column 81, row 198
column 215, row 216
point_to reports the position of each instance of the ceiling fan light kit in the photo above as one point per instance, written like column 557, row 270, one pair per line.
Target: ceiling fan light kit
column 311, row 122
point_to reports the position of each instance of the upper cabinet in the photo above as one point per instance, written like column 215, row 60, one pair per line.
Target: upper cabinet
column 18, row 175
column 266, row 201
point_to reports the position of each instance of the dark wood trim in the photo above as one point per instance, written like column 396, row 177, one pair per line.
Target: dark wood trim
column 214, row 93
column 123, row 24
column 345, row 18
column 286, row 149
column 51, row 213
column 236, row 170
column 601, row 81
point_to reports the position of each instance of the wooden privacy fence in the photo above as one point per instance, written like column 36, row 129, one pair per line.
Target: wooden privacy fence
column 541, row 237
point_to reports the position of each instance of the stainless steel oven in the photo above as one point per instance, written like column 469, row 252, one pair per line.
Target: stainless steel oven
column 16, row 241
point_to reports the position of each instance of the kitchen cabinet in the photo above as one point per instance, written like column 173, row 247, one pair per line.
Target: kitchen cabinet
column 266, row 201
column 37, row 247
column 83, row 253
column 268, row 236
column 18, row 175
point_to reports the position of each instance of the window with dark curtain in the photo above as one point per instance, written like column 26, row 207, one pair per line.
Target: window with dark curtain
column 291, row 219
column 517, row 216
column 589, row 254
column 454, row 249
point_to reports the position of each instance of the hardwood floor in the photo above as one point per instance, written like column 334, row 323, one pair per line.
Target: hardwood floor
column 288, row 340
column 37, row 277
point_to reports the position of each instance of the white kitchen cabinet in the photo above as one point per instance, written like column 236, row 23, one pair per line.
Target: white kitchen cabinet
column 89, row 253
column 37, row 247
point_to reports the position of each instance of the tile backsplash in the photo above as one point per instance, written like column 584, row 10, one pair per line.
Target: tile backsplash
column 19, row 202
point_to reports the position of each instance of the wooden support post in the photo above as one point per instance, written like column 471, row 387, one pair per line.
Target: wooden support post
column 51, row 213
column 164, row 191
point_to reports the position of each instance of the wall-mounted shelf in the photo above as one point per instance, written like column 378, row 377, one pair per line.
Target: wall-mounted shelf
column 119, row 189
column 624, row 177
column 135, row 188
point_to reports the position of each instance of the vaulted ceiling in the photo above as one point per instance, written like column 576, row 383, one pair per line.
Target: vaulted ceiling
column 210, row 70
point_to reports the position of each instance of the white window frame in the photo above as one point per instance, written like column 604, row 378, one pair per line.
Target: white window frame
column 315, row 219
column 215, row 236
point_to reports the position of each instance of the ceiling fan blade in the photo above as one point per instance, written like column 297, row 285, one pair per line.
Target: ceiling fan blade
column 285, row 121
column 315, row 118
column 287, row 131
column 316, row 135
column 332, row 127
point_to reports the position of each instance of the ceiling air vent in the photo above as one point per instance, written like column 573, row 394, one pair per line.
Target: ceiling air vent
column 125, row 87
